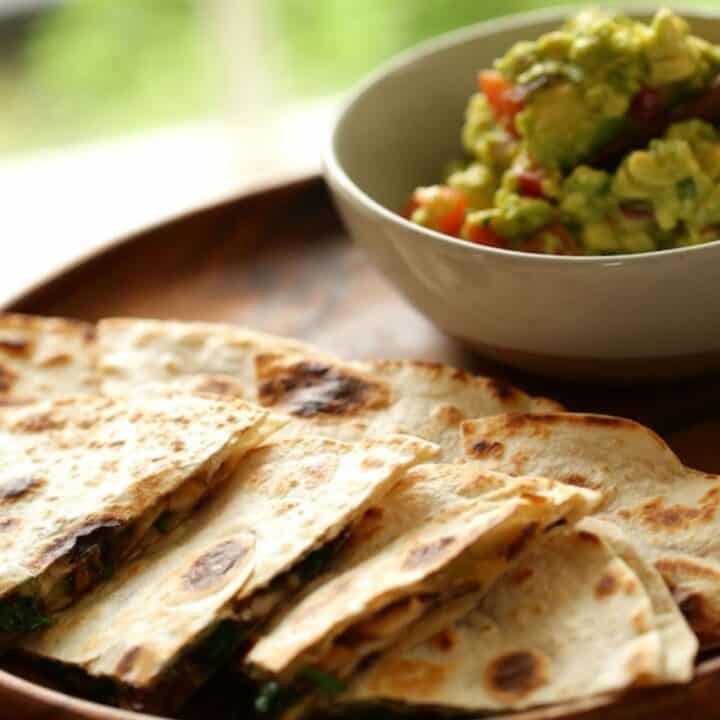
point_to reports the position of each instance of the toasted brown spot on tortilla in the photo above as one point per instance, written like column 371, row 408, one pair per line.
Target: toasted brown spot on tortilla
column 15, row 346
column 501, row 390
column 39, row 423
column 309, row 388
column 445, row 640
column 517, row 420
column 517, row 545
column 677, row 517
column 486, row 448
column 215, row 386
column 607, row 585
column 370, row 463
column 685, row 567
column 521, row 575
column 631, row 586
column 641, row 622
column 127, row 661
column 515, row 674
column 427, row 554
column 449, row 414
column 215, row 564
column 57, row 360
column 579, row 481
column 8, row 524
column 410, row 677
column 7, row 378
column 15, row 401
column 712, row 496
column 604, row 421
column 16, row 488
column 534, row 498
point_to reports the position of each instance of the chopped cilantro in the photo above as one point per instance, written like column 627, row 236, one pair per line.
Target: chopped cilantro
column 685, row 188
column 322, row 681
column 22, row 614
column 272, row 697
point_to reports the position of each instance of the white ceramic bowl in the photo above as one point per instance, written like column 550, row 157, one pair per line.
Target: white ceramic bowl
column 629, row 317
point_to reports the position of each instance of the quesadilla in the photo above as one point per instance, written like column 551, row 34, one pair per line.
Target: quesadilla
column 84, row 480
column 662, row 505
column 136, row 351
column 366, row 399
column 165, row 622
column 442, row 532
column 42, row 358
column 578, row 614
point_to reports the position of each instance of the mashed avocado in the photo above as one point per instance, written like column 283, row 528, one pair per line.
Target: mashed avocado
column 600, row 137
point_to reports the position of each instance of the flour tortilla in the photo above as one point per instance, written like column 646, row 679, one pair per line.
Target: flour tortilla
column 666, row 508
column 87, row 471
column 367, row 399
column 283, row 501
column 42, row 358
column 443, row 531
column 572, row 618
column 136, row 351
column 329, row 397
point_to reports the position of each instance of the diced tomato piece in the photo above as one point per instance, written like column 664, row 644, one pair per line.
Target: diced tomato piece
column 501, row 95
column 481, row 235
column 444, row 208
column 529, row 181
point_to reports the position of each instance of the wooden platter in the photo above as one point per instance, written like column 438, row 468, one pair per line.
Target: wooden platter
column 280, row 261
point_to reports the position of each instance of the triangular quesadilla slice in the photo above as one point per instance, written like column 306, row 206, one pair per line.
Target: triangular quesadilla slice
column 164, row 623
column 42, row 358
column 345, row 401
column 134, row 351
column 670, row 509
column 573, row 617
column 85, row 480
column 366, row 399
column 442, row 532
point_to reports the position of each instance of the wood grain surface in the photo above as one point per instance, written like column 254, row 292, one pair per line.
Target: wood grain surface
column 281, row 262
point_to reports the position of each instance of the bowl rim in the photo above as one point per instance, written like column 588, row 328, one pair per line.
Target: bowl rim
column 336, row 173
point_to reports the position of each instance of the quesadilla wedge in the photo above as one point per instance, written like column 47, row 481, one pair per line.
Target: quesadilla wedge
column 578, row 614
column 136, row 351
column 662, row 505
column 42, row 358
column 160, row 627
column 366, row 399
column 442, row 532
column 85, row 480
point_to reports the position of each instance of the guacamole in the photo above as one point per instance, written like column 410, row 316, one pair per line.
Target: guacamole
column 599, row 138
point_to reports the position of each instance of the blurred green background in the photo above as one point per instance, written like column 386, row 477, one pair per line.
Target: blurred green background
column 84, row 69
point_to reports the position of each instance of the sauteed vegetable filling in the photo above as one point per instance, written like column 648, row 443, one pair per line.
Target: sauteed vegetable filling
column 93, row 555
column 599, row 138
